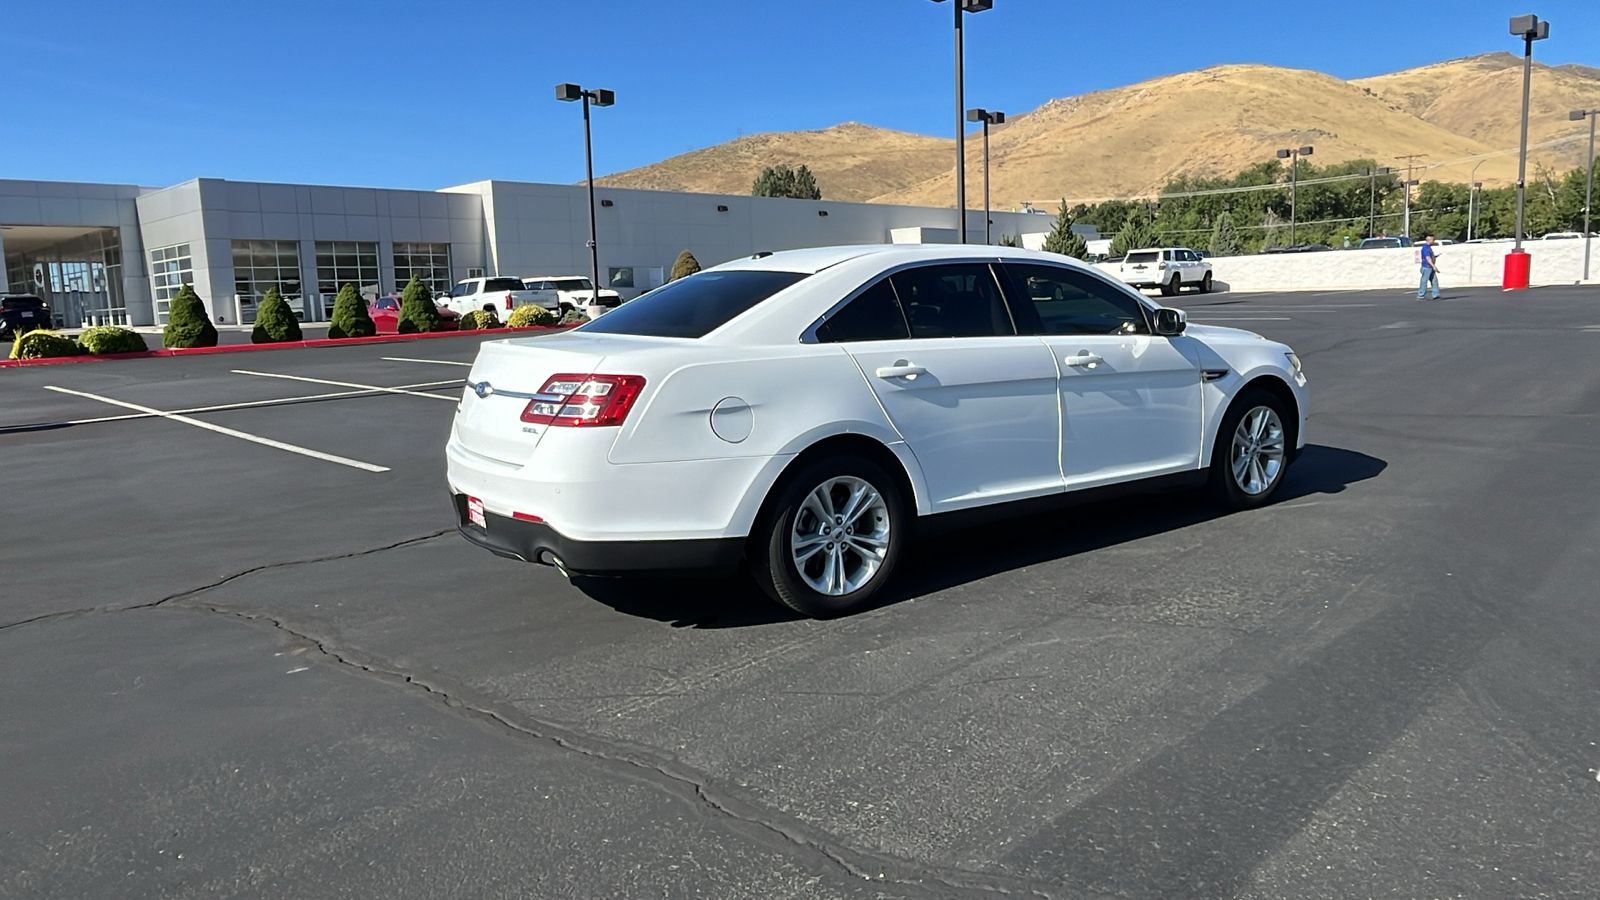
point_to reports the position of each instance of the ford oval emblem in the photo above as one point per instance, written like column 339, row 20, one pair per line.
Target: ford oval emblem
column 481, row 388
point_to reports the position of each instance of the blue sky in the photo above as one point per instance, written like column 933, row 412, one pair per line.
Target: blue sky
column 424, row 95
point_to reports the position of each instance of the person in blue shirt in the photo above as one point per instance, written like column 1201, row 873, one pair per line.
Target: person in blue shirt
column 1428, row 255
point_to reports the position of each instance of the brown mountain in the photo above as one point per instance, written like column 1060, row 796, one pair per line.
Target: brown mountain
column 1130, row 141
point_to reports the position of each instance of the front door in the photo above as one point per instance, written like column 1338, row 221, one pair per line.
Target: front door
column 1130, row 400
column 975, row 402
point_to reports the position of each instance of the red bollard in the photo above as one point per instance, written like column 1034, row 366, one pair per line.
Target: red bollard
column 1518, row 267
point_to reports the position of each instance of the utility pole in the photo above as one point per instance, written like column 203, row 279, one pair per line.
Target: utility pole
column 1405, row 227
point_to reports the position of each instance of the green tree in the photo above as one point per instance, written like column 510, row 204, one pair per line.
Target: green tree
column 1062, row 239
column 418, row 314
column 1136, row 235
column 187, row 322
column 275, row 321
column 782, row 181
column 684, row 266
column 1009, row 240
column 350, row 317
column 1224, row 237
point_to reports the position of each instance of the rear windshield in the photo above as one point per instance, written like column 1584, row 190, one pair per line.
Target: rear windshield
column 1148, row 257
column 695, row 306
column 572, row 284
column 502, row 284
column 21, row 303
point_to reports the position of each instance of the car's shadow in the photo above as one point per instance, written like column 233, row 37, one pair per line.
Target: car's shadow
column 965, row 555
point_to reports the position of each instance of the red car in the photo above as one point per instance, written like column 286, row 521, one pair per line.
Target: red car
column 385, row 313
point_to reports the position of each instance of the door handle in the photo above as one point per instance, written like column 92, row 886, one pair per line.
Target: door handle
column 1088, row 360
column 900, row 370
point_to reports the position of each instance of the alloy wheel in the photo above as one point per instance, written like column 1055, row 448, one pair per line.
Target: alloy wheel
column 1258, row 451
column 840, row 535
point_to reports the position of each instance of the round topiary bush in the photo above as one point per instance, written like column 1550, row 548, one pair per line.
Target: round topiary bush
column 188, row 325
column 41, row 344
column 350, row 317
column 531, row 314
column 275, row 321
column 104, row 339
column 417, row 310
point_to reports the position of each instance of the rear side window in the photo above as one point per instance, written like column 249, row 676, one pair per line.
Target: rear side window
column 874, row 315
column 1068, row 301
column 693, row 307
column 1148, row 256
column 494, row 285
column 957, row 300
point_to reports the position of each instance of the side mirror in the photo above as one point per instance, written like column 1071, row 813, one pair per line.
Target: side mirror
column 1171, row 322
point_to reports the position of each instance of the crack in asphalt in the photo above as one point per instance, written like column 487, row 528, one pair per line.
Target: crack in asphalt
column 675, row 779
column 86, row 610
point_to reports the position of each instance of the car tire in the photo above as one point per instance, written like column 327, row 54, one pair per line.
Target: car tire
column 1205, row 284
column 563, row 308
column 1254, row 446
column 792, row 556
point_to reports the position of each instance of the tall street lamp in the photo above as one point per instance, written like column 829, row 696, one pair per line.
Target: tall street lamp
column 1530, row 28
column 962, row 6
column 1588, row 189
column 987, row 118
column 1293, row 155
column 1372, row 198
column 597, row 97
column 1473, row 202
column 1406, row 223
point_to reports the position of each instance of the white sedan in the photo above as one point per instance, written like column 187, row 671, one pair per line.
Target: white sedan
column 801, row 412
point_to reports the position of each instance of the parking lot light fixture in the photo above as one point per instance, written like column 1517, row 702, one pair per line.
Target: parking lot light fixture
column 1473, row 200
column 597, row 97
column 987, row 117
column 1530, row 28
column 962, row 6
column 1579, row 115
column 1293, row 155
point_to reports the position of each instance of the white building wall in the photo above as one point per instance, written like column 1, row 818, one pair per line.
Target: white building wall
column 81, row 205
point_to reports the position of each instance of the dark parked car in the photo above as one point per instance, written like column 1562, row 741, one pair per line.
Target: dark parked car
column 1380, row 242
column 21, row 313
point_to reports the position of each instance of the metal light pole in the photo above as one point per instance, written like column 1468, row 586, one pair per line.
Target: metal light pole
column 1473, row 201
column 1406, row 226
column 1530, row 28
column 1588, row 189
column 598, row 97
column 1372, row 200
column 1293, row 156
column 987, row 118
column 962, row 6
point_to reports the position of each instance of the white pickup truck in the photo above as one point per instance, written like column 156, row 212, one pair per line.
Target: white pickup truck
column 575, row 292
column 1169, row 268
column 499, row 294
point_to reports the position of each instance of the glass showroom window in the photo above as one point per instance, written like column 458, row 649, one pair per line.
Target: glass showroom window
column 428, row 262
column 346, row 262
column 170, row 269
column 259, row 266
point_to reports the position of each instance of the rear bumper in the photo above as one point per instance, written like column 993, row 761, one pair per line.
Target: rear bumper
column 537, row 542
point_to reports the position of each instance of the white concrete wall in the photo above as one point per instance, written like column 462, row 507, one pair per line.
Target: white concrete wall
column 1460, row 265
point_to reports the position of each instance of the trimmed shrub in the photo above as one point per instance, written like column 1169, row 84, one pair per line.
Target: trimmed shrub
column 418, row 314
column 684, row 266
column 275, row 321
column 42, row 344
column 531, row 314
column 573, row 317
column 104, row 339
column 484, row 319
column 187, row 322
column 350, row 317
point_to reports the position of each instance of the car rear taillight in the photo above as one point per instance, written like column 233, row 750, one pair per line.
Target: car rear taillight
column 508, row 301
column 578, row 400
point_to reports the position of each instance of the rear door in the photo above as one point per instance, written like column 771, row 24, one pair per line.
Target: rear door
column 1130, row 400
column 974, row 401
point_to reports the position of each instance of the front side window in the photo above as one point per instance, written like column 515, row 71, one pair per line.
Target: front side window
column 956, row 300
column 1069, row 301
column 695, row 306
column 464, row 289
column 874, row 315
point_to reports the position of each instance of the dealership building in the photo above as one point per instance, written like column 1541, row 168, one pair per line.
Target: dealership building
column 117, row 254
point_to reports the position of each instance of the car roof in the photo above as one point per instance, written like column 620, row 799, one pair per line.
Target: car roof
column 550, row 277
column 816, row 259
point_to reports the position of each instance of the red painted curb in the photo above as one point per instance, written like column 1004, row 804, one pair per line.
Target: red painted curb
column 288, row 345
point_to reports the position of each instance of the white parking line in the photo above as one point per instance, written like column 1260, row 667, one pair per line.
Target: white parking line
column 436, row 362
column 252, row 404
column 349, row 384
column 241, row 435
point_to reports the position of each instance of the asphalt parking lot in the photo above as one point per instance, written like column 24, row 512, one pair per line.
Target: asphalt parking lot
column 243, row 652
